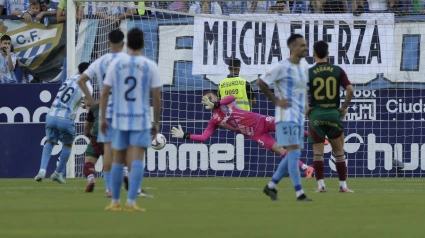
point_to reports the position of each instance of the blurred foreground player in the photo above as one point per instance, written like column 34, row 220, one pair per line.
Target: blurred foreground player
column 60, row 124
column 95, row 150
column 326, row 114
column 228, row 116
column 132, row 78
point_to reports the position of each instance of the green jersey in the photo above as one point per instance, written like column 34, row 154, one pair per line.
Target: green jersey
column 93, row 116
column 324, row 83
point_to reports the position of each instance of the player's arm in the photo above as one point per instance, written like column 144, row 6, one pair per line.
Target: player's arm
column 82, row 83
column 349, row 92
column 156, row 85
column 268, row 79
column 104, row 97
column 179, row 133
column 88, row 124
column 250, row 94
column 211, row 105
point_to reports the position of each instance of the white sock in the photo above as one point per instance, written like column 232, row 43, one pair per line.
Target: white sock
column 58, row 174
column 304, row 167
column 343, row 184
column 125, row 171
column 90, row 178
column 130, row 202
column 139, row 191
column 271, row 185
column 299, row 192
column 321, row 183
column 115, row 201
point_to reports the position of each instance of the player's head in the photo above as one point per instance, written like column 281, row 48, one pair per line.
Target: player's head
column 135, row 39
column 82, row 67
column 320, row 50
column 212, row 95
column 116, row 38
column 297, row 45
column 234, row 66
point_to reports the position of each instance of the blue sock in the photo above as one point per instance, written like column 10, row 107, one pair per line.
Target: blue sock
column 116, row 180
column 135, row 179
column 294, row 171
column 63, row 159
column 281, row 170
column 107, row 179
column 45, row 156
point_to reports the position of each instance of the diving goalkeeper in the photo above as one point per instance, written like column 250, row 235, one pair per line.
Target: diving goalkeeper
column 228, row 116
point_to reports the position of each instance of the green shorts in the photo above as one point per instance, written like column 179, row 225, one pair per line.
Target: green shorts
column 324, row 122
column 94, row 148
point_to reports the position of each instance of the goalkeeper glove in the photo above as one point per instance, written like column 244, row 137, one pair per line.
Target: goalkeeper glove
column 178, row 133
column 208, row 104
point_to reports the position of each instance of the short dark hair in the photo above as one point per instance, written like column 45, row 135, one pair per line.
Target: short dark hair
column 209, row 91
column 34, row 3
column 321, row 49
column 5, row 37
column 135, row 39
column 82, row 67
column 293, row 38
column 235, row 63
column 116, row 36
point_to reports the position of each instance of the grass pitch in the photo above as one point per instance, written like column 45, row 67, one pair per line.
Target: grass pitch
column 215, row 207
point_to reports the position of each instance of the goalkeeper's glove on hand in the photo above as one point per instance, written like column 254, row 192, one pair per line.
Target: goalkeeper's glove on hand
column 178, row 133
column 208, row 104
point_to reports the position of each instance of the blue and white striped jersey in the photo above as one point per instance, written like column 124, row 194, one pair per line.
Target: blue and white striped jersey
column 68, row 99
column 12, row 5
column 131, row 78
column 98, row 69
column 7, row 76
column 290, row 82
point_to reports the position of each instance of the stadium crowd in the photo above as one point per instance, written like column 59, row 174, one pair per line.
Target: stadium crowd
column 54, row 11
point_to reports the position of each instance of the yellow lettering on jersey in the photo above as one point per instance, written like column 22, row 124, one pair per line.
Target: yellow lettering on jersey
column 324, row 68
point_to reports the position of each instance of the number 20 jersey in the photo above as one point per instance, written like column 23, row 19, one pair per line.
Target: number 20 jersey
column 131, row 79
column 68, row 99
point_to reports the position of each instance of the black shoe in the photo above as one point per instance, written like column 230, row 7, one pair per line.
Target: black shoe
column 125, row 179
column 304, row 198
column 272, row 193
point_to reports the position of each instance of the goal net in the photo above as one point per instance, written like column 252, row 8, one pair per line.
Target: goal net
column 193, row 42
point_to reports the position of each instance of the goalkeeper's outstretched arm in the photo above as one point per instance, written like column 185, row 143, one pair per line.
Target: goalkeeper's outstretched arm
column 179, row 133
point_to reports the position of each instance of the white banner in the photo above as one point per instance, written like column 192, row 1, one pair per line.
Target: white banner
column 362, row 45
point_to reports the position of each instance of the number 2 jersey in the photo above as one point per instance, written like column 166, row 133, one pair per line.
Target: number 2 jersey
column 98, row 69
column 131, row 79
column 324, row 83
column 68, row 99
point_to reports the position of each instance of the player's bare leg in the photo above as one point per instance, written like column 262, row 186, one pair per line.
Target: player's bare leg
column 282, row 152
column 318, row 150
column 135, row 154
column 116, row 178
column 107, row 164
column 340, row 164
column 45, row 157
column 63, row 160
column 88, row 173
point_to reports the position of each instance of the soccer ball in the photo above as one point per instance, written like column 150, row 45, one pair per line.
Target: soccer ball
column 159, row 142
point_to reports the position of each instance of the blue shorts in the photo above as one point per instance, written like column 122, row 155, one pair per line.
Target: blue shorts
column 289, row 133
column 61, row 129
column 108, row 138
column 123, row 139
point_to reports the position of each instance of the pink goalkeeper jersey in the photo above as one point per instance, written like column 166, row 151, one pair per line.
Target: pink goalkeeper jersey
column 229, row 116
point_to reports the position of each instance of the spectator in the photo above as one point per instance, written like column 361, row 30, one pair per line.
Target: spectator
column 16, row 8
column 279, row 8
column 234, row 7
column 35, row 8
column 358, row 7
column 116, row 13
column 256, row 6
column 205, row 7
column 298, row 7
column 417, row 6
column 378, row 5
column 7, row 61
column 61, row 12
column 334, row 6
column 47, row 9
